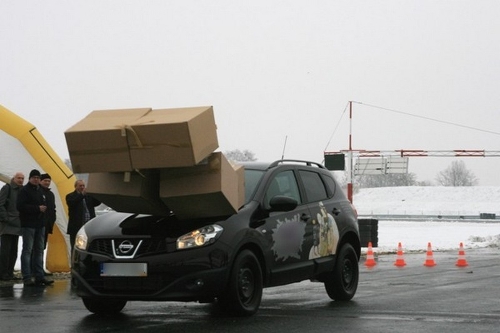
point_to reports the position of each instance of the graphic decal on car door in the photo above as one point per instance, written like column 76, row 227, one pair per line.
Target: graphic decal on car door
column 288, row 237
column 325, row 234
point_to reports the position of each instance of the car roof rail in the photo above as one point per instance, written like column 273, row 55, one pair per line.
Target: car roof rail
column 308, row 163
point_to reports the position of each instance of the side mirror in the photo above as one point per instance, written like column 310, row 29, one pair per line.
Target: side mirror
column 280, row 203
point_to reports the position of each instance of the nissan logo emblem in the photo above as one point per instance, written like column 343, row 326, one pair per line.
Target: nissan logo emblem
column 125, row 247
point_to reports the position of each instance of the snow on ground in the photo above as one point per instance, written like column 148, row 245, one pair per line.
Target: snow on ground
column 428, row 200
column 432, row 200
column 443, row 235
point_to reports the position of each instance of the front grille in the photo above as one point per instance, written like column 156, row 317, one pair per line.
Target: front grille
column 148, row 246
column 101, row 246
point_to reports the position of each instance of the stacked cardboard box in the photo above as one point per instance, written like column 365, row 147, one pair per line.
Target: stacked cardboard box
column 211, row 188
column 156, row 161
column 125, row 140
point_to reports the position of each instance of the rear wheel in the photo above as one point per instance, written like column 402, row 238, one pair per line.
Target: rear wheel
column 103, row 306
column 341, row 283
column 244, row 291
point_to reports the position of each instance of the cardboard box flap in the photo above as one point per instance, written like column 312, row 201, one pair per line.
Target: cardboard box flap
column 173, row 137
column 128, row 191
column 104, row 119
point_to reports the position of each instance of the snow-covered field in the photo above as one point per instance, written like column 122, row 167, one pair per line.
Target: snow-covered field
column 443, row 235
column 428, row 200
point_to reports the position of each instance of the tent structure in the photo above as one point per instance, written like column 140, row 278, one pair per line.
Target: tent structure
column 24, row 149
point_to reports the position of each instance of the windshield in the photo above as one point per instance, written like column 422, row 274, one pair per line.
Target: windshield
column 252, row 179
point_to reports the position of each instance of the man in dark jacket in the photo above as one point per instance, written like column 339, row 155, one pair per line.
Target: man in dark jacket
column 10, row 226
column 81, row 208
column 31, row 204
column 50, row 200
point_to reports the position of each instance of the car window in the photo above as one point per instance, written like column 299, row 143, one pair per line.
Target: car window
column 283, row 183
column 331, row 184
column 314, row 186
column 252, row 179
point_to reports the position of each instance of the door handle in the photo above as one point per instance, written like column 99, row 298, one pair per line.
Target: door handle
column 336, row 211
column 257, row 223
column 305, row 217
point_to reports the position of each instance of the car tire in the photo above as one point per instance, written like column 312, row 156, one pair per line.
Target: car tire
column 103, row 306
column 243, row 294
column 341, row 283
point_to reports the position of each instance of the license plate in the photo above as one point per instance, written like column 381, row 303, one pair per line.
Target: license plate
column 124, row 269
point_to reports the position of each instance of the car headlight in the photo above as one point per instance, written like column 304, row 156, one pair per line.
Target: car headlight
column 81, row 239
column 199, row 237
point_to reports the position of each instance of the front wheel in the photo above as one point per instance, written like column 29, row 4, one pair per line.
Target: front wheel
column 244, row 291
column 341, row 283
column 103, row 306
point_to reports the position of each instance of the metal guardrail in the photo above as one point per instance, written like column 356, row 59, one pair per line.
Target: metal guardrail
column 432, row 217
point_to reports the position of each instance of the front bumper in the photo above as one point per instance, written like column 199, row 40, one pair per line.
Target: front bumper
column 191, row 275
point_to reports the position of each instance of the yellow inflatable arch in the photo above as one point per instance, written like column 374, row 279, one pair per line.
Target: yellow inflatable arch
column 24, row 149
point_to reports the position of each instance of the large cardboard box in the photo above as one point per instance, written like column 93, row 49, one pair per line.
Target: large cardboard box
column 210, row 189
column 129, row 192
column 130, row 139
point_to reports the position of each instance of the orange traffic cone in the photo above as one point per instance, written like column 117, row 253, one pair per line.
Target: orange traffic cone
column 400, row 261
column 429, row 259
column 370, row 259
column 461, row 262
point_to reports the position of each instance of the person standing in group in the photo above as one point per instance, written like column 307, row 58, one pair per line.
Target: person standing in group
column 50, row 200
column 31, row 204
column 81, row 208
column 10, row 226
column 50, row 213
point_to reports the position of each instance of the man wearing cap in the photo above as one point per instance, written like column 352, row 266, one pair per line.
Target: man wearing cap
column 50, row 213
column 31, row 204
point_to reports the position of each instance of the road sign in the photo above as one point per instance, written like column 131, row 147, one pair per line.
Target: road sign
column 381, row 165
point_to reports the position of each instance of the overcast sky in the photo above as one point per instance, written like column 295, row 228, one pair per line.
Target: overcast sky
column 272, row 70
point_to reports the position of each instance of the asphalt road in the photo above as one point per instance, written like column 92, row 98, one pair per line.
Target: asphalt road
column 413, row 298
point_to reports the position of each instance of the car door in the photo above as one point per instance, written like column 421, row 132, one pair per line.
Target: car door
column 324, row 215
column 287, row 231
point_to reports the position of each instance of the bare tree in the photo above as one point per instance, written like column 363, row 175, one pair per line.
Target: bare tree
column 456, row 175
column 424, row 183
column 240, row 156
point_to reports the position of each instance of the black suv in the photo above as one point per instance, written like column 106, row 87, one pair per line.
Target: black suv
column 296, row 224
